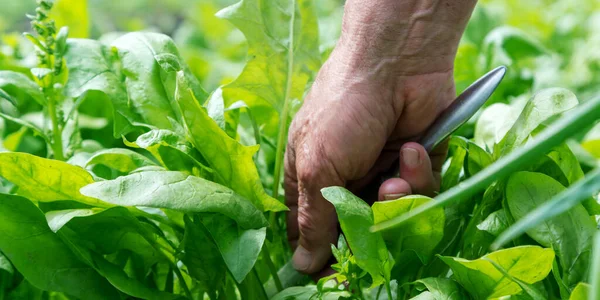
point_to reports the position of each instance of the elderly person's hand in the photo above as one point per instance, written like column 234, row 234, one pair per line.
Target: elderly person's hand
column 389, row 77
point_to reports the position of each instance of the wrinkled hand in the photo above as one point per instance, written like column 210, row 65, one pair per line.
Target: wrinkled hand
column 369, row 101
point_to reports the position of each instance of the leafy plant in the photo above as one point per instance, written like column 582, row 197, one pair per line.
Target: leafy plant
column 122, row 177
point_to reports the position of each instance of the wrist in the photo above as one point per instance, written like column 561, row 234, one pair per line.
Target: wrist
column 407, row 37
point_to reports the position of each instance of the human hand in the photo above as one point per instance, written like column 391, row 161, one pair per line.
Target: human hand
column 382, row 87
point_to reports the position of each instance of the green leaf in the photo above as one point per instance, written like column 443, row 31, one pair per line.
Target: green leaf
column 477, row 158
column 355, row 218
column 177, row 191
column 91, row 68
column 568, row 233
column 231, row 161
column 118, row 278
column 239, row 247
column 202, row 256
column 594, row 277
column 493, row 124
column 150, row 88
column 591, row 141
column 7, row 272
column 45, row 180
column 107, row 231
column 173, row 151
column 42, row 257
column 18, row 81
column 72, row 14
column 529, row 289
column 122, row 160
column 495, row 223
column 581, row 292
column 482, row 280
column 442, row 288
column 297, row 293
column 283, row 44
column 420, row 235
column 541, row 107
column 506, row 44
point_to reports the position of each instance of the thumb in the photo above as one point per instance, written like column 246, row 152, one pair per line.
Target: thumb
column 317, row 220
column 416, row 169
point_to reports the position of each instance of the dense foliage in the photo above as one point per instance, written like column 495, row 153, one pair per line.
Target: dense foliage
column 122, row 177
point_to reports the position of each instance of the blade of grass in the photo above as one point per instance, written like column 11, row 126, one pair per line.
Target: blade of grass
column 595, row 269
column 561, row 203
column 570, row 124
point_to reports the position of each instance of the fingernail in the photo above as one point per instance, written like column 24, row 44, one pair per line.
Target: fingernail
column 393, row 196
column 410, row 157
column 302, row 259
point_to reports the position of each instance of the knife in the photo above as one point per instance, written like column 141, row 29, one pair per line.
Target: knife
column 455, row 115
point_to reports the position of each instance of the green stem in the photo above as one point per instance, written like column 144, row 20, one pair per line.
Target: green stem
column 283, row 117
column 388, row 289
column 272, row 269
column 552, row 136
column 57, row 146
column 257, row 280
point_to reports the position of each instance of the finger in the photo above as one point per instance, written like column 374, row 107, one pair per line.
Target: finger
column 394, row 188
column 415, row 168
column 317, row 220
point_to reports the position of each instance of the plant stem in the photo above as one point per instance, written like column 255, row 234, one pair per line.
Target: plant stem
column 388, row 289
column 272, row 269
column 57, row 146
column 257, row 280
column 283, row 117
column 552, row 136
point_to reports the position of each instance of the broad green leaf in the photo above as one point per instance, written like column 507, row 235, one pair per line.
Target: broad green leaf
column 482, row 280
column 541, row 107
column 7, row 272
column 231, row 161
column 173, row 151
column 58, row 218
column 119, row 279
column 44, row 180
column 568, row 233
column 355, row 218
column 201, row 256
column 506, row 44
column 297, row 293
column 476, row 158
column 239, row 247
column 581, row 292
column 283, row 44
column 73, row 14
column 42, row 257
column 442, row 288
column 420, row 235
column 495, row 223
column 122, row 160
column 531, row 291
column 13, row 80
column 108, row 231
column 493, row 123
column 92, row 67
column 150, row 88
column 177, row 191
